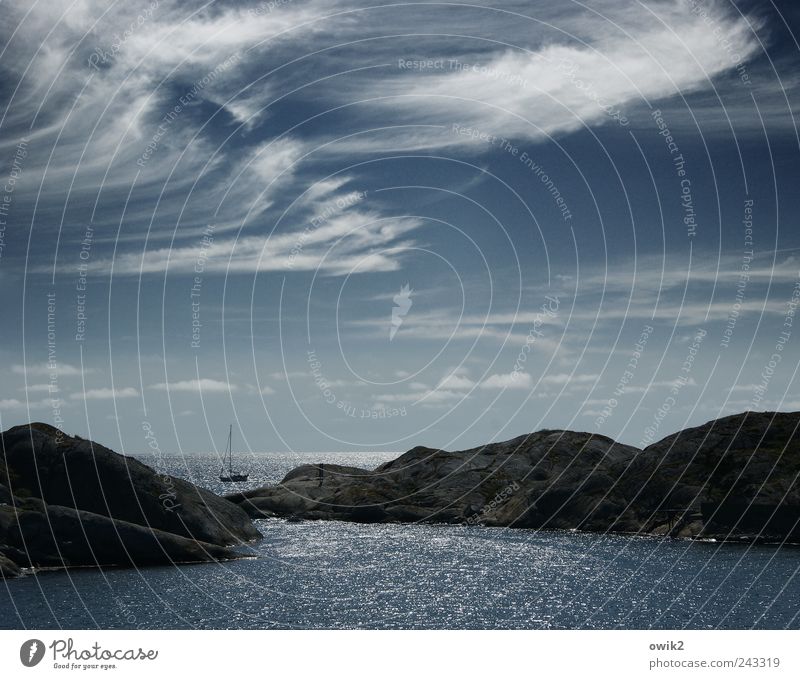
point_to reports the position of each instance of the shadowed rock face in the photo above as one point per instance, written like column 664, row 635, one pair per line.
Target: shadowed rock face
column 752, row 456
column 55, row 536
column 567, row 480
column 65, row 501
column 8, row 569
column 747, row 464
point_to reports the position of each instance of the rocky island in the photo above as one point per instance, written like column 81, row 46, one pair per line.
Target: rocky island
column 66, row 501
column 734, row 478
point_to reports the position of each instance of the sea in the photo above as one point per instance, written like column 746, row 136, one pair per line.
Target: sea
column 338, row 575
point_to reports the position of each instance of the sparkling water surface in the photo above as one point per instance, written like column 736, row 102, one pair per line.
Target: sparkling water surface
column 330, row 574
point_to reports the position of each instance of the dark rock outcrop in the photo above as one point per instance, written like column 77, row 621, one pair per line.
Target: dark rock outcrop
column 8, row 569
column 571, row 480
column 55, row 536
column 66, row 502
column 745, row 464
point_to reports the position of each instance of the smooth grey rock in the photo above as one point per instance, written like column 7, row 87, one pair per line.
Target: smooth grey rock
column 72, row 502
column 571, row 480
column 73, row 472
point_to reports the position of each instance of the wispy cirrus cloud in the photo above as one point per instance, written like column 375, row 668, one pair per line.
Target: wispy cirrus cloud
column 613, row 58
column 141, row 101
column 354, row 242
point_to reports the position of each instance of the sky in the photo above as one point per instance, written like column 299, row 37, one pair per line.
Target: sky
column 341, row 226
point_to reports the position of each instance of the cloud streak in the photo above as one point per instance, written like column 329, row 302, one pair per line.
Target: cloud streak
column 203, row 385
column 105, row 393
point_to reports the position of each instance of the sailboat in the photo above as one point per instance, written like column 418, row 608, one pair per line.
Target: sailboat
column 231, row 476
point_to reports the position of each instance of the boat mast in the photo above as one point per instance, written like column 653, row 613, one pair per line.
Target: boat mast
column 230, row 449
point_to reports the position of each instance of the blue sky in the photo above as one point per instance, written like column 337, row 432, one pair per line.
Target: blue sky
column 345, row 227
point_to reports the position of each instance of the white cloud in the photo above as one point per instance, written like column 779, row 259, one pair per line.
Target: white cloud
column 654, row 273
column 352, row 242
column 267, row 391
column 440, row 396
column 99, row 122
column 429, row 396
column 567, row 378
column 42, row 369
column 514, row 380
column 455, row 382
column 271, row 166
column 452, row 387
column 46, row 387
column 320, row 192
column 11, row 403
column 747, row 388
column 283, row 376
column 105, row 393
column 664, row 50
column 660, row 384
column 202, row 385
column 274, row 159
column 16, row 404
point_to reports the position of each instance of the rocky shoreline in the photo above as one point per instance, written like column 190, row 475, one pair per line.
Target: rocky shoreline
column 66, row 502
column 735, row 479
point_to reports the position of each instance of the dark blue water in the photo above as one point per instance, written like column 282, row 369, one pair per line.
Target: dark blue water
column 341, row 575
